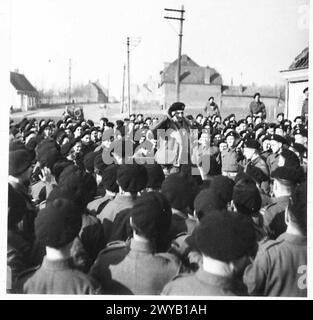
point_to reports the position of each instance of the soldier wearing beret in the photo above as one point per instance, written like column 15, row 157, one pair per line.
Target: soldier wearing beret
column 131, row 179
column 277, row 143
column 285, row 179
column 257, row 106
column 280, row 266
column 20, row 170
column 251, row 153
column 225, row 241
column 211, row 108
column 56, row 227
column 139, row 267
column 178, row 190
column 178, row 129
column 231, row 156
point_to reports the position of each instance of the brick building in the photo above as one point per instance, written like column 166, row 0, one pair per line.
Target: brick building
column 198, row 83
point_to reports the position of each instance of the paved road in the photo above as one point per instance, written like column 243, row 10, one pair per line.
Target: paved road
column 91, row 111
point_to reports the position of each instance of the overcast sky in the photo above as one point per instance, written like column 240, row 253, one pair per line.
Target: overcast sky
column 257, row 38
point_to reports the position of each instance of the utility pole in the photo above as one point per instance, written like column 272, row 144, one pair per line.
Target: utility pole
column 69, row 80
column 128, row 77
column 180, row 37
column 123, row 90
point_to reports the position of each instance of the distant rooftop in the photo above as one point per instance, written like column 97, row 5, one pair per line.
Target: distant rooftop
column 191, row 72
column 301, row 61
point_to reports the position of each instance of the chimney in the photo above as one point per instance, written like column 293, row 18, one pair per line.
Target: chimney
column 207, row 75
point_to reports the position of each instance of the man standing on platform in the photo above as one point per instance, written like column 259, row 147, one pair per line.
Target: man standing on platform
column 257, row 106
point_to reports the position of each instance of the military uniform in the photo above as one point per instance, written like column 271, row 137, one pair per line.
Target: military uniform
column 261, row 164
column 279, row 268
column 56, row 277
column 134, row 268
column 272, row 162
column 274, row 217
column 203, row 283
column 97, row 205
column 109, row 212
column 230, row 158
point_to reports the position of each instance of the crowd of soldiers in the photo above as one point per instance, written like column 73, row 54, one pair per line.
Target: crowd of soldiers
column 230, row 220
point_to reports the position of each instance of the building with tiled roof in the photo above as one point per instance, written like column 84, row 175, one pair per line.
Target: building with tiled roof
column 297, row 79
column 23, row 94
column 198, row 83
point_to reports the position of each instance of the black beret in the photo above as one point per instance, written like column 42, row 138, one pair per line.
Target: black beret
column 296, row 118
column 232, row 134
column 19, row 162
column 225, row 236
column 287, row 174
column 66, row 148
column 90, row 123
column 119, row 123
column 58, row 224
column 85, row 133
column 176, row 106
column 242, row 121
column 303, row 132
column 211, row 98
column 257, row 94
column 151, row 215
column 280, row 114
column 246, row 197
column 291, row 159
column 253, row 144
column 178, row 191
column 89, row 161
column 109, row 176
column 258, row 126
column 82, row 185
column 132, row 177
column 267, row 137
column 223, row 187
column 300, row 148
column 305, row 89
column 155, row 176
column 278, row 138
column 207, row 200
column 48, row 155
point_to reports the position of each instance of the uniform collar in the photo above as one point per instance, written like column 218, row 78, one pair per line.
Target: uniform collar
column 61, row 264
column 214, row 280
column 292, row 238
column 141, row 246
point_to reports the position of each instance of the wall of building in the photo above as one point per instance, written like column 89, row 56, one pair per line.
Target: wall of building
column 295, row 98
column 193, row 95
column 15, row 99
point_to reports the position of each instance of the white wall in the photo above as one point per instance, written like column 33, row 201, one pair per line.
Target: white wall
column 295, row 98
